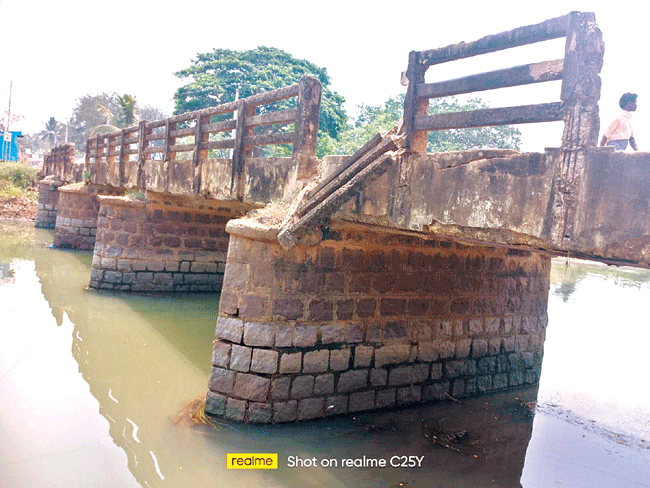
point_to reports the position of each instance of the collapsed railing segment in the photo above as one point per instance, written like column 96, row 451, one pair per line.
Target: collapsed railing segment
column 365, row 165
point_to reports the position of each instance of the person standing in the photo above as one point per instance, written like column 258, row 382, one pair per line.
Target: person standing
column 619, row 132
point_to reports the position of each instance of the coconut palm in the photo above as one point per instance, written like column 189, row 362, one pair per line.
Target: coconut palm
column 128, row 114
column 50, row 133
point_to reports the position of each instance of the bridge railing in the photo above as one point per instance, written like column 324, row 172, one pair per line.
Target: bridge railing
column 61, row 162
column 207, row 152
column 577, row 27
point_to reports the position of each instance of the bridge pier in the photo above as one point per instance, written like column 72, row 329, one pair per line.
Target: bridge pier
column 76, row 216
column 371, row 318
column 48, row 202
column 163, row 244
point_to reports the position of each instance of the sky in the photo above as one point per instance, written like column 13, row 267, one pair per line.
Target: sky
column 58, row 51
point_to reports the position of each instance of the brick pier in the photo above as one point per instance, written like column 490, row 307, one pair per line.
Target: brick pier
column 162, row 245
column 369, row 319
column 48, row 202
column 76, row 217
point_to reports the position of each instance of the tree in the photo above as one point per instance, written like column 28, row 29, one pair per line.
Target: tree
column 151, row 114
column 372, row 119
column 6, row 123
column 220, row 76
column 100, row 114
column 128, row 113
column 91, row 112
column 50, row 134
column 497, row 137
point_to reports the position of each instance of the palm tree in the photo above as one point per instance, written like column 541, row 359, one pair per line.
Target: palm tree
column 128, row 115
column 50, row 133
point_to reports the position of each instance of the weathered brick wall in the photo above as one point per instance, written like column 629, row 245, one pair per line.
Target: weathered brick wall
column 156, row 247
column 368, row 320
column 48, row 202
column 76, row 218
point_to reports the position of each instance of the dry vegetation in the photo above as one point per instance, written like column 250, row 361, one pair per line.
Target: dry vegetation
column 18, row 195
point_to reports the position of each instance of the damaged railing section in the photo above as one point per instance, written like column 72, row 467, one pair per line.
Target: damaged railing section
column 417, row 121
column 364, row 166
column 206, row 150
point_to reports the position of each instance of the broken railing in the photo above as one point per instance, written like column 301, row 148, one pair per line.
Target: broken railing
column 570, row 69
column 206, row 152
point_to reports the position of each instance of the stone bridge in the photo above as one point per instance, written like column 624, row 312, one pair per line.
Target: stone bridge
column 385, row 278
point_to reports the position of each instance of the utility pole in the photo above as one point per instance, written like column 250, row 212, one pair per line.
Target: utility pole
column 7, row 134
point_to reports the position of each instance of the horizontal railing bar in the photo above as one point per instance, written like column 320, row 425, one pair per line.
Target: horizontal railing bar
column 521, row 36
column 215, row 127
column 181, row 147
column 515, row 76
column 279, row 117
column 223, row 144
column 266, row 139
column 525, row 114
column 183, row 132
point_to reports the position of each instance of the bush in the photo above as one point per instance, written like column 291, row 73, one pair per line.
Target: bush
column 18, row 174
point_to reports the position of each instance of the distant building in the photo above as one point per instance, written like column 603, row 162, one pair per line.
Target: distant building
column 9, row 145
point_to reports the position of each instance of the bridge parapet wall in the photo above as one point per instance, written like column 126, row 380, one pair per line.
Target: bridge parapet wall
column 369, row 319
column 609, row 220
column 495, row 195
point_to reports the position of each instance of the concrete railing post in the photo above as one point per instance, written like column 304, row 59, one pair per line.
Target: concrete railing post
column 580, row 94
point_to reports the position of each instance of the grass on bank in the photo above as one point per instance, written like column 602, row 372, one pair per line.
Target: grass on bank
column 17, row 180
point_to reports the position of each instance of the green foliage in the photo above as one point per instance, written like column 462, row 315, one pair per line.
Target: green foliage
column 369, row 120
column 91, row 112
column 497, row 137
column 215, row 78
column 372, row 119
column 17, row 174
column 151, row 114
column 51, row 133
column 99, row 114
column 127, row 115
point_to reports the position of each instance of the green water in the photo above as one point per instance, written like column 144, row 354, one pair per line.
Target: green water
column 93, row 388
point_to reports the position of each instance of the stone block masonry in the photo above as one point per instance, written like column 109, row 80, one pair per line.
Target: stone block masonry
column 76, row 217
column 48, row 202
column 368, row 320
column 159, row 247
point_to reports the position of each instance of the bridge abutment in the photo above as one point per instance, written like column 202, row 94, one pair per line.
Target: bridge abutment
column 165, row 245
column 368, row 319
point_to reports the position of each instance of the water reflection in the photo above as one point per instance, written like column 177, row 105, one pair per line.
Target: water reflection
column 567, row 275
column 91, row 385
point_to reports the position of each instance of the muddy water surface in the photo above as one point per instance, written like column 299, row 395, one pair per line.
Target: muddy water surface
column 94, row 389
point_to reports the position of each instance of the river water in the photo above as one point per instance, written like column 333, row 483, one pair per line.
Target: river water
column 96, row 391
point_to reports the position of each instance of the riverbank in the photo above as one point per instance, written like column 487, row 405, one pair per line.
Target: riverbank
column 21, row 208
